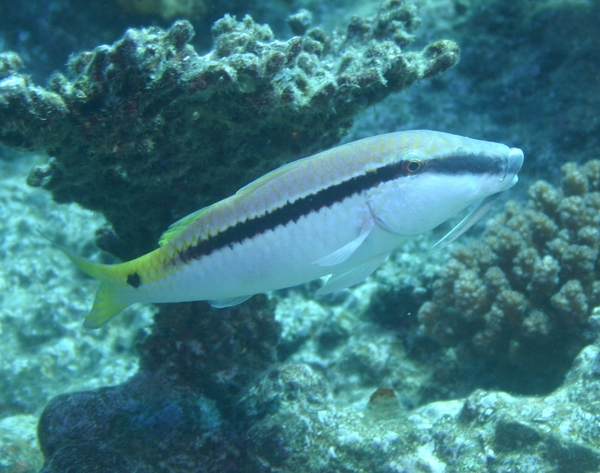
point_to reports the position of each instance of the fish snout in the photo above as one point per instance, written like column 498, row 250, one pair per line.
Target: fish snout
column 514, row 161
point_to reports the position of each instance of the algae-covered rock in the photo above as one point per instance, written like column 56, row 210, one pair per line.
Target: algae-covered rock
column 289, row 420
column 179, row 412
column 217, row 352
column 146, row 424
column 19, row 452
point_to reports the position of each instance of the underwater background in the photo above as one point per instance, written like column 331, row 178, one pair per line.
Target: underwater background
column 117, row 118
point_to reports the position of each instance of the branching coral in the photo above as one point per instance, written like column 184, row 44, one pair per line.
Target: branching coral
column 524, row 293
column 146, row 130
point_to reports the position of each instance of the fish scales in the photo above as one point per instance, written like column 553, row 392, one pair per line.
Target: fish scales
column 305, row 177
column 246, row 267
column 337, row 213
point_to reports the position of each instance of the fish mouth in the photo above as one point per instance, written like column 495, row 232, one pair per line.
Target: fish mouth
column 514, row 161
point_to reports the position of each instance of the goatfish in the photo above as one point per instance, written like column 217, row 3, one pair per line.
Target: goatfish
column 339, row 213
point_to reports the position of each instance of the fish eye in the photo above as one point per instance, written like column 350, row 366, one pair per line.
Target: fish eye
column 412, row 165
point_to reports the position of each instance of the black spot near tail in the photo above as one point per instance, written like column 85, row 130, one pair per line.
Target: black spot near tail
column 134, row 280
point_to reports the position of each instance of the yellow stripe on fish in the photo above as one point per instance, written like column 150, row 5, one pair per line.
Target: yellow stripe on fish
column 338, row 213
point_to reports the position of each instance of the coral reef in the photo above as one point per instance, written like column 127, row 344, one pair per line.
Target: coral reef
column 218, row 352
column 10, row 63
column 178, row 413
column 18, row 445
column 352, row 364
column 137, row 425
column 524, row 293
column 288, row 420
column 146, row 130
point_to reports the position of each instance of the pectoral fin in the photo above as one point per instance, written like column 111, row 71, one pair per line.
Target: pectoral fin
column 339, row 281
column 221, row 303
column 471, row 219
column 343, row 253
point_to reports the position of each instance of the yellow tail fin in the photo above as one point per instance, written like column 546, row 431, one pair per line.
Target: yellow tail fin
column 109, row 299
column 106, row 306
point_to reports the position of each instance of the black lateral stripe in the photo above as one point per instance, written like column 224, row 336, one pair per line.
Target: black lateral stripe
column 463, row 163
column 291, row 212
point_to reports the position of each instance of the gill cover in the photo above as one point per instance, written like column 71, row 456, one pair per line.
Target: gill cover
column 441, row 179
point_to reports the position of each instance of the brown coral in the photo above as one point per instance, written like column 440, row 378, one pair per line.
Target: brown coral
column 523, row 294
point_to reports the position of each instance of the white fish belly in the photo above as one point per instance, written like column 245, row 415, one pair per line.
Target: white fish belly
column 278, row 258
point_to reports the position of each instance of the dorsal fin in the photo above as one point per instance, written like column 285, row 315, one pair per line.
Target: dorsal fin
column 274, row 174
column 177, row 227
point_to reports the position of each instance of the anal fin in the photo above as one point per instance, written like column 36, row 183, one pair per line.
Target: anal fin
column 352, row 276
column 221, row 303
